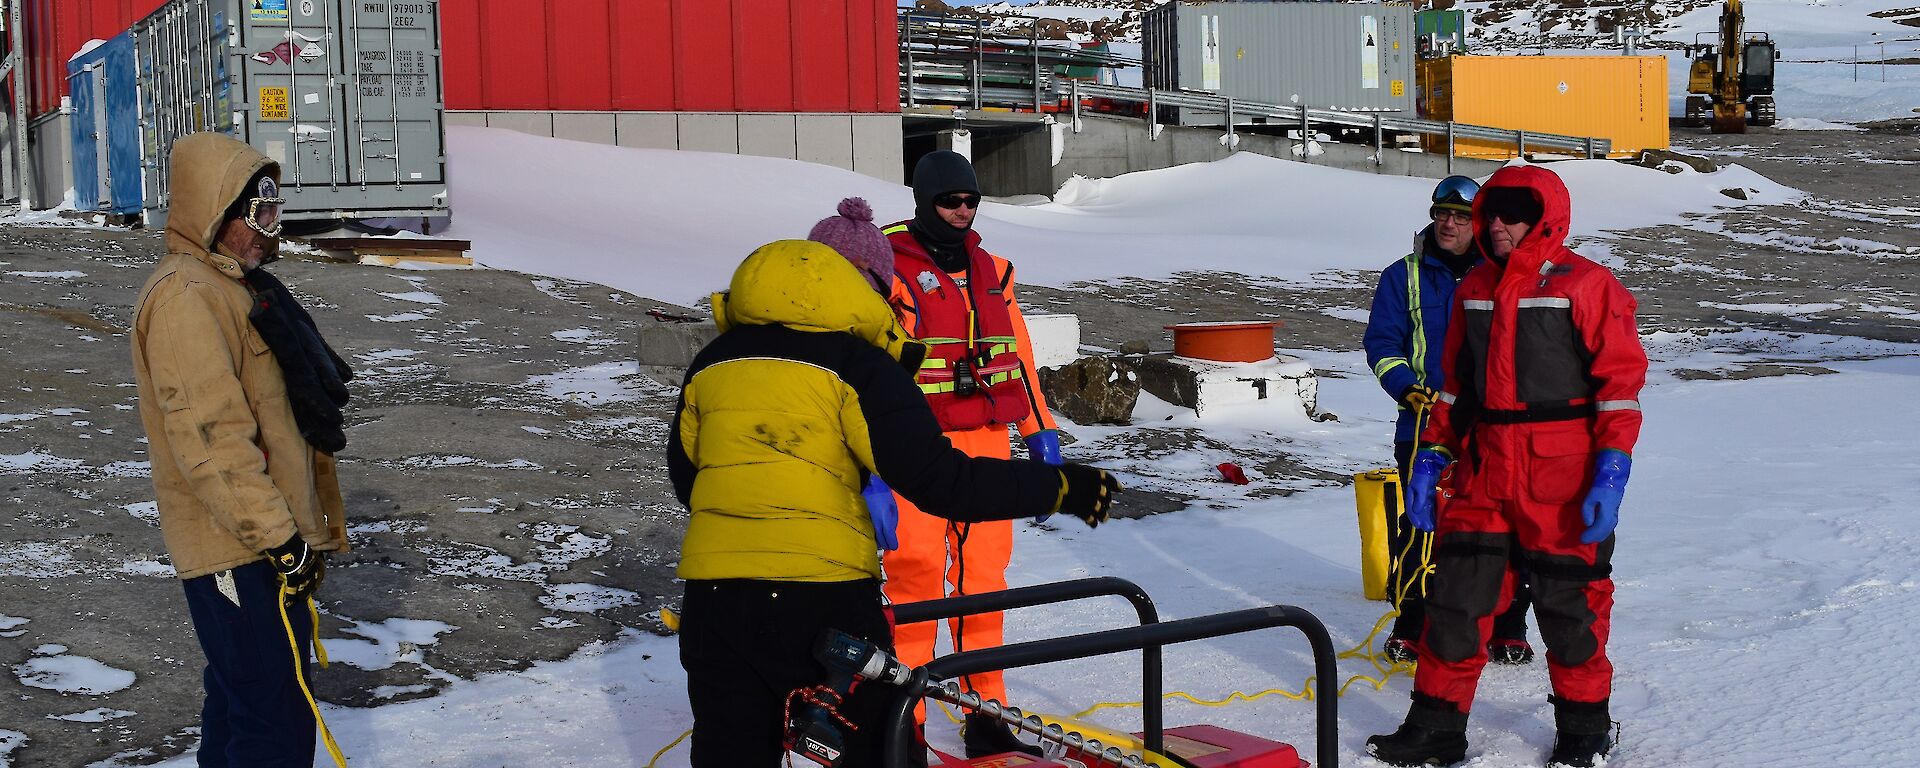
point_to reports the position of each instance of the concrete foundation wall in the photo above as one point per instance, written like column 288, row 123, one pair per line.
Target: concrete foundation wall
column 1107, row 146
column 52, row 159
column 863, row 143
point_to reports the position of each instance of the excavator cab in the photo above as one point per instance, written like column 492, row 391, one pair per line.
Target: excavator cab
column 1756, row 79
column 1730, row 79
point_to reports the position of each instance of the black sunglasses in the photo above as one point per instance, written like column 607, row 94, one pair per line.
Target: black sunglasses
column 953, row 200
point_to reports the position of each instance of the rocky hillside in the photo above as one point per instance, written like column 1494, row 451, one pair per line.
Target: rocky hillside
column 1497, row 25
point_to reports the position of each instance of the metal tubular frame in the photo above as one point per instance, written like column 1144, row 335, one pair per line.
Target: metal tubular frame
column 1587, row 146
column 1152, row 707
column 901, row 743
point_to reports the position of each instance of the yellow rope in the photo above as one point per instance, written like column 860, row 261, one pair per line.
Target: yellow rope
column 1364, row 650
column 670, row 745
column 300, row 674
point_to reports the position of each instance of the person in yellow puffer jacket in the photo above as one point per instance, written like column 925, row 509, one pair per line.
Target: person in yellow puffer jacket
column 782, row 419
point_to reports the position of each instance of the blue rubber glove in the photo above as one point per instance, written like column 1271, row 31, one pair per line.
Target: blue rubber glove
column 884, row 511
column 1601, row 508
column 1044, row 446
column 1428, row 463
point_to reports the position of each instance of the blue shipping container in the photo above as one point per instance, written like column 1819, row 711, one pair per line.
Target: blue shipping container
column 106, row 128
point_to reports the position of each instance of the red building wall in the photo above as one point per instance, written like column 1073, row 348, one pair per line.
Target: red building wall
column 595, row 55
column 671, row 55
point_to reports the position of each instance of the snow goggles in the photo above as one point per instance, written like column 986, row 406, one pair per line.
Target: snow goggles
column 1455, row 193
column 954, row 200
column 263, row 211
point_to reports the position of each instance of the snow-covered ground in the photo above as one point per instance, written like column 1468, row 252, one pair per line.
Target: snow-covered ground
column 677, row 235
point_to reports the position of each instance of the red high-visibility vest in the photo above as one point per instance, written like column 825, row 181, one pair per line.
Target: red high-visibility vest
column 971, row 323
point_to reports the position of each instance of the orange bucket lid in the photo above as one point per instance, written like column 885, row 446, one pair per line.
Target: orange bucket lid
column 1227, row 342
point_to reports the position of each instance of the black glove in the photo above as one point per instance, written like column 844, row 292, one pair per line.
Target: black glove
column 1416, row 396
column 301, row 569
column 1089, row 493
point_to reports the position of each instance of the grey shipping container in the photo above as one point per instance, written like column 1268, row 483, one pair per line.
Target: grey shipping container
column 1349, row 56
column 345, row 94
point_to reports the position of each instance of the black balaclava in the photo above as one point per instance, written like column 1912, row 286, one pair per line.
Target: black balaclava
column 938, row 173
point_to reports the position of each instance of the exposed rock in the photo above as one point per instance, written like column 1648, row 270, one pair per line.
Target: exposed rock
column 1655, row 158
column 1735, row 193
column 1093, row 390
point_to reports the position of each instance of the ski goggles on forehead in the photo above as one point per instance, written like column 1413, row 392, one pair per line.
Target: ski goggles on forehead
column 1456, row 190
column 953, row 200
column 263, row 211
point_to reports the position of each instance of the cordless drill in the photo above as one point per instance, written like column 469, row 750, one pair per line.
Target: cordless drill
column 815, row 731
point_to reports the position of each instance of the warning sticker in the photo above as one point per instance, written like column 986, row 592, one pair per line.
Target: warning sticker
column 267, row 10
column 1399, row 88
column 273, row 104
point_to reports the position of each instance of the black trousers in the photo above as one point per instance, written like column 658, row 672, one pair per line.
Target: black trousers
column 1511, row 625
column 746, row 644
column 254, row 714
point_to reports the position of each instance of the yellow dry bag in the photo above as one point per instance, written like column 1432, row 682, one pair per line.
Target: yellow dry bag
column 1376, row 495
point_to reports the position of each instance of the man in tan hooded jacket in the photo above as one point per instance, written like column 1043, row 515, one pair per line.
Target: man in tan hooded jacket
column 247, row 503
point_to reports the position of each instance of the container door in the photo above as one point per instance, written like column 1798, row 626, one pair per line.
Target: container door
column 394, row 95
column 291, row 61
column 84, row 131
column 182, row 67
column 122, row 129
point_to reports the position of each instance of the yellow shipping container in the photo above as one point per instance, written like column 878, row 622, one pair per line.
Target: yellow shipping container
column 1619, row 98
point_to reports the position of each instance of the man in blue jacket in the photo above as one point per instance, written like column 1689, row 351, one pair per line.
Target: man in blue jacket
column 1405, row 333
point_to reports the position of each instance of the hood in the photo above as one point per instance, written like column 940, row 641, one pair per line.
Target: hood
column 807, row 286
column 1548, row 237
column 208, row 171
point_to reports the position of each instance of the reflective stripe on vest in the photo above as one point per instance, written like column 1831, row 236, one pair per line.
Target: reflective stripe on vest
column 1418, row 359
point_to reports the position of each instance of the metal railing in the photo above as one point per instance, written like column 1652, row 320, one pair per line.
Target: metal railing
column 1306, row 117
column 926, row 680
column 1152, row 716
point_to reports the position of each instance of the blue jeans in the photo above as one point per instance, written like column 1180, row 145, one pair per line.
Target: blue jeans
column 255, row 715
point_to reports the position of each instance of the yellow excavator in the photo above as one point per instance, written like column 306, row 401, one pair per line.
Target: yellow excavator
column 1730, row 83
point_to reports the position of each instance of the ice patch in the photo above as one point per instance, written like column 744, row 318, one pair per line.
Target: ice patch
column 67, row 275
column 10, row 741
column 584, row 336
column 9, row 626
column 417, row 297
column 586, row 598
column 387, row 642
column 403, row 317
column 127, row 468
column 147, row 567
column 36, row 461
column 1777, row 309
column 96, row 715
column 1811, row 124
column 38, row 559
column 52, row 669
column 602, row 383
column 147, row 511
column 431, row 461
column 386, row 355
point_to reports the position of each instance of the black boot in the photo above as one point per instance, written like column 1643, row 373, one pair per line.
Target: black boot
column 986, row 736
column 1509, row 652
column 1579, row 750
column 1582, row 739
column 1435, row 733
